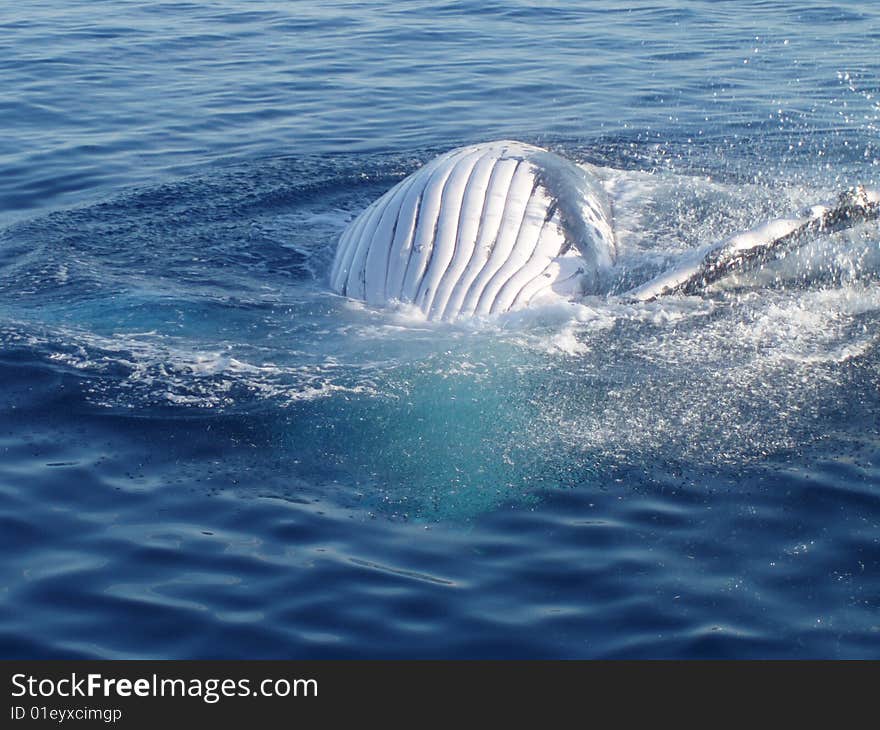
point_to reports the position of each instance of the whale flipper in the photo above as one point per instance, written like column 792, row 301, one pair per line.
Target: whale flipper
column 750, row 249
column 480, row 230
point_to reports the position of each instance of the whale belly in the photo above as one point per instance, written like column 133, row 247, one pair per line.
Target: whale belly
column 480, row 230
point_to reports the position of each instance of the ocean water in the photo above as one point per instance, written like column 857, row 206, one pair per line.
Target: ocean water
column 204, row 453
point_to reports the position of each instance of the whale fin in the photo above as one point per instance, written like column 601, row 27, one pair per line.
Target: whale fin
column 771, row 240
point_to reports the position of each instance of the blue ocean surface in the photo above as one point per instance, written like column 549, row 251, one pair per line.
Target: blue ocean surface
column 206, row 453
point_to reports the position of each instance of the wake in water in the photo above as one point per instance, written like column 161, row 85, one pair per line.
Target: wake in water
column 208, row 299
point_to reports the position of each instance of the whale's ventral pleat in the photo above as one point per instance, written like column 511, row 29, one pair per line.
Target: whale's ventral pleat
column 480, row 230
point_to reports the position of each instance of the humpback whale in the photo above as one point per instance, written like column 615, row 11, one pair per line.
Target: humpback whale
column 504, row 225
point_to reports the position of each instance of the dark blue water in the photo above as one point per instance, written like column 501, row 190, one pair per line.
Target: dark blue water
column 203, row 453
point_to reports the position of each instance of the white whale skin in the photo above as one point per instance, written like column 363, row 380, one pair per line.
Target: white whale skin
column 480, row 230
